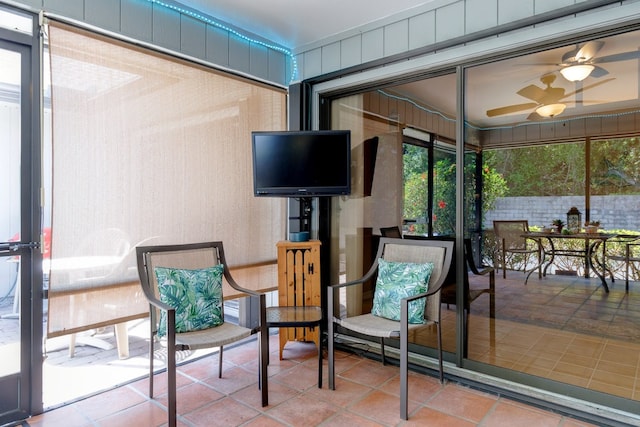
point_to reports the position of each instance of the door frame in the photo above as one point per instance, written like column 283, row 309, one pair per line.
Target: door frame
column 29, row 379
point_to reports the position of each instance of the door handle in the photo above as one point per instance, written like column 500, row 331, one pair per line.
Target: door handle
column 17, row 246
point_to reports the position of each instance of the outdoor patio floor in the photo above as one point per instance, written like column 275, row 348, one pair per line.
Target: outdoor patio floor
column 367, row 394
column 562, row 328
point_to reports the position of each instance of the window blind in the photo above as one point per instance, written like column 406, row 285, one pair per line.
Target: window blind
column 149, row 149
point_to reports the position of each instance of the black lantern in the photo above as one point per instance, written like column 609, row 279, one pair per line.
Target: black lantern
column 574, row 220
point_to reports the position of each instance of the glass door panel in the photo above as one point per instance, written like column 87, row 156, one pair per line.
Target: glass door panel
column 11, row 351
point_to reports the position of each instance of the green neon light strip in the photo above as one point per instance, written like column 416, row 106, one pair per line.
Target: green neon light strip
column 210, row 21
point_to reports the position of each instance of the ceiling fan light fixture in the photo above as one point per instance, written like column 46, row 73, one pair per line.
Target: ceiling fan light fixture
column 550, row 110
column 577, row 73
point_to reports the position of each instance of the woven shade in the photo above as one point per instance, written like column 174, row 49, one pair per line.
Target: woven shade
column 148, row 149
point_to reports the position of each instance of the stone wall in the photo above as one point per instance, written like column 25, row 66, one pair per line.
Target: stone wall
column 613, row 212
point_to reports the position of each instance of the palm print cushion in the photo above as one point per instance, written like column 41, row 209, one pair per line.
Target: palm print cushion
column 195, row 294
column 398, row 280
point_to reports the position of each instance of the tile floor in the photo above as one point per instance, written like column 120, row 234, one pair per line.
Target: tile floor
column 560, row 328
column 366, row 395
column 567, row 329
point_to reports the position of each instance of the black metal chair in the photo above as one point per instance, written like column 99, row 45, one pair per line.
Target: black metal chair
column 393, row 250
column 179, row 267
column 628, row 256
column 509, row 240
column 393, row 231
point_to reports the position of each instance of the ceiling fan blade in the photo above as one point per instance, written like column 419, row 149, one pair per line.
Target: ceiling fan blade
column 624, row 56
column 532, row 92
column 534, row 116
column 582, row 89
column 570, row 56
column 598, row 72
column 582, row 54
column 589, row 51
column 510, row 109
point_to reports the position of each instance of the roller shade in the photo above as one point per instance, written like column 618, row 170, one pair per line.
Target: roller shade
column 149, row 149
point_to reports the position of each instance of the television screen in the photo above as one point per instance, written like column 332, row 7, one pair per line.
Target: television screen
column 301, row 163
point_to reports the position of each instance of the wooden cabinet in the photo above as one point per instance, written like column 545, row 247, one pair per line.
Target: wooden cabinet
column 299, row 285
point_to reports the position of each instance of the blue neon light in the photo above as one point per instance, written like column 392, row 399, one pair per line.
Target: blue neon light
column 294, row 64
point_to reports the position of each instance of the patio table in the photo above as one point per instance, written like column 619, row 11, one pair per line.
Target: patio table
column 592, row 241
column 291, row 317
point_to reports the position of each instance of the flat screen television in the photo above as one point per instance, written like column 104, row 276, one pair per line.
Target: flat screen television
column 301, row 163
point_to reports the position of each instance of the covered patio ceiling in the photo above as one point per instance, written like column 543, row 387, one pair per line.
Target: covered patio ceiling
column 506, row 86
column 613, row 86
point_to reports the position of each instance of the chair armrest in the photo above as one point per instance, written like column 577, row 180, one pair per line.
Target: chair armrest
column 485, row 270
column 331, row 289
column 151, row 299
column 404, row 307
column 351, row 283
column 471, row 263
column 231, row 281
column 262, row 301
column 418, row 296
column 369, row 275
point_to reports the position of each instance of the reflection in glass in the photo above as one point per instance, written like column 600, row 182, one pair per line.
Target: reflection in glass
column 564, row 327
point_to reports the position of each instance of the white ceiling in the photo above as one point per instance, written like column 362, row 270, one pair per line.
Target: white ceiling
column 297, row 23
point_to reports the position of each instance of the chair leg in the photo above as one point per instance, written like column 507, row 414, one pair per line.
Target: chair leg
column 151, row 340
column 439, row 331
column 263, row 380
column 626, row 271
column 539, row 263
column 330, row 344
column 492, row 295
column 404, row 372
column 171, row 368
column 331, row 357
column 382, row 351
column 320, row 362
column 220, row 364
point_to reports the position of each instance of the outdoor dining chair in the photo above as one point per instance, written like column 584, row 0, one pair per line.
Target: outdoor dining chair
column 511, row 245
column 409, row 276
column 183, row 284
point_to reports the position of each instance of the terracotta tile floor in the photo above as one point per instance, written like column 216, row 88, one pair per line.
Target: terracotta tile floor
column 366, row 395
column 567, row 329
column 582, row 336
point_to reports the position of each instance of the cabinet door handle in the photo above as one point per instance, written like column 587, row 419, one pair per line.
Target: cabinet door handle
column 310, row 268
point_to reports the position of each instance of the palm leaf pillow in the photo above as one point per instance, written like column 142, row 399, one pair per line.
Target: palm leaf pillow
column 398, row 280
column 195, row 294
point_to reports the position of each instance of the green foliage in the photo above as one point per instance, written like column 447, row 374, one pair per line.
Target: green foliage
column 548, row 170
column 444, row 184
column 415, row 159
column 559, row 169
column 415, row 198
column 444, row 197
column 494, row 186
column 615, row 166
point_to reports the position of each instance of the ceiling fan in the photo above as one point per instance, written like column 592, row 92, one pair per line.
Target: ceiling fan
column 581, row 62
column 547, row 101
